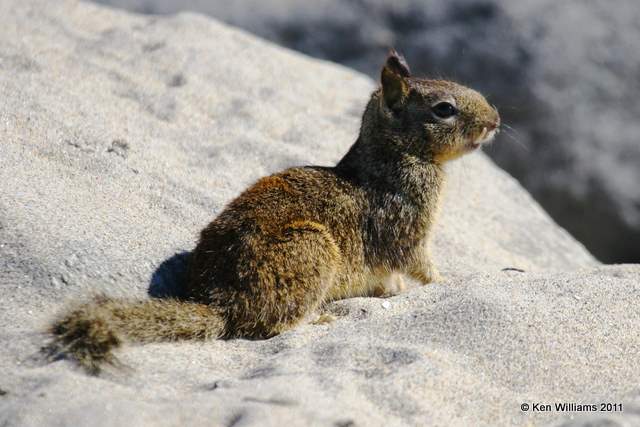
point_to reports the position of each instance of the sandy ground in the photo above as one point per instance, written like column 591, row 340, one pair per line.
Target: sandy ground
column 121, row 136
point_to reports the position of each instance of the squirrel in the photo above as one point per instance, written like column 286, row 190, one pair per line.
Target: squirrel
column 308, row 235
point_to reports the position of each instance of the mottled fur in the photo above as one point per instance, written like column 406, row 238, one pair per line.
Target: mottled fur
column 308, row 235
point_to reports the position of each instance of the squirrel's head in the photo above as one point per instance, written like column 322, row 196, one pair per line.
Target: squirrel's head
column 437, row 119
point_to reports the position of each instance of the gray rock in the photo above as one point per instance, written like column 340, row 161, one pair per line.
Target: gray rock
column 564, row 75
column 122, row 136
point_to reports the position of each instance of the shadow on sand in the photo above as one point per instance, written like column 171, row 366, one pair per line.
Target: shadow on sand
column 168, row 281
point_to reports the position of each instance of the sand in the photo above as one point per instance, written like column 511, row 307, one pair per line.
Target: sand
column 121, row 136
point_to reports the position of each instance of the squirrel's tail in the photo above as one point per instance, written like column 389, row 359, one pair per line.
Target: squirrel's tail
column 90, row 332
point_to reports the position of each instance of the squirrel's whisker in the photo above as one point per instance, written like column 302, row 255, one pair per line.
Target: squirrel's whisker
column 513, row 138
column 514, row 130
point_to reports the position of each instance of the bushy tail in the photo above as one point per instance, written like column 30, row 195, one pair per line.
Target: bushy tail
column 90, row 332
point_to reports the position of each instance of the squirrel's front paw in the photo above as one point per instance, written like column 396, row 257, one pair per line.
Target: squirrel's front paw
column 426, row 274
column 323, row 319
column 392, row 285
column 435, row 275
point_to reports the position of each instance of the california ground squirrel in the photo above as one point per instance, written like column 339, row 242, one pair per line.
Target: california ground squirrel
column 308, row 235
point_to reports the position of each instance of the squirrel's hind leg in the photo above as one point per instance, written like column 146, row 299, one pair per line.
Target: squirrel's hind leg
column 285, row 279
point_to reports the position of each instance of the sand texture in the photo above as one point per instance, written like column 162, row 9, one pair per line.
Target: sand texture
column 121, row 136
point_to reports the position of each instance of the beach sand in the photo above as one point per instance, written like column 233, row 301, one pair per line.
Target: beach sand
column 122, row 136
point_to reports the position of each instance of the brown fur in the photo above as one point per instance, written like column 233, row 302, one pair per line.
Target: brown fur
column 307, row 235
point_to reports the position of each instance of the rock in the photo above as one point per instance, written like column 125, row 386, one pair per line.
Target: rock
column 123, row 135
column 564, row 75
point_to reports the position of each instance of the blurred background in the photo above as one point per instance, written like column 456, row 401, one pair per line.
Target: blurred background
column 565, row 76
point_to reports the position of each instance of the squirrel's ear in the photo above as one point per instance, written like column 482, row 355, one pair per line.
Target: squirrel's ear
column 394, row 79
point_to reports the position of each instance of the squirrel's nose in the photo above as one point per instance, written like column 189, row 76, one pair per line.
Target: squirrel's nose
column 495, row 123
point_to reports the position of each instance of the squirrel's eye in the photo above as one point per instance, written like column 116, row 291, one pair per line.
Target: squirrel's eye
column 444, row 110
